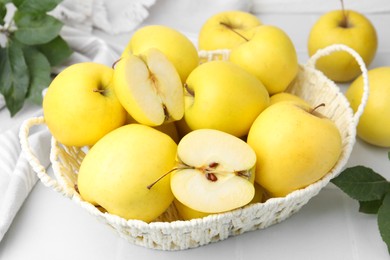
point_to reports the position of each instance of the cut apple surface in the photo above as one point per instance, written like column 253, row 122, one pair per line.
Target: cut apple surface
column 149, row 88
column 215, row 171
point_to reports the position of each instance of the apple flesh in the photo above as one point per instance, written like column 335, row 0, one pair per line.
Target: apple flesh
column 295, row 146
column 80, row 105
column 149, row 88
column 214, row 173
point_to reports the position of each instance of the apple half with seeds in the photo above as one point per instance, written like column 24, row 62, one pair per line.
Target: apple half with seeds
column 149, row 87
column 215, row 171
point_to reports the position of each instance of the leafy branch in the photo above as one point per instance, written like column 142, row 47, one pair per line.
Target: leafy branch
column 373, row 193
column 32, row 46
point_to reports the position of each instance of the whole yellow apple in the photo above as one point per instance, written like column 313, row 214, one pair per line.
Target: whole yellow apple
column 174, row 44
column 167, row 128
column 270, row 55
column 374, row 123
column 226, row 30
column 295, row 147
column 221, row 95
column 285, row 96
column 343, row 27
column 116, row 172
column 80, row 105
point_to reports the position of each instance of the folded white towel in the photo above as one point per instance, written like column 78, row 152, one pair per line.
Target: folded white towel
column 16, row 175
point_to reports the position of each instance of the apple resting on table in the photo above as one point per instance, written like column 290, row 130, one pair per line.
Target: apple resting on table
column 343, row 27
column 214, row 172
column 374, row 123
column 80, row 105
column 221, row 95
column 295, row 146
column 116, row 171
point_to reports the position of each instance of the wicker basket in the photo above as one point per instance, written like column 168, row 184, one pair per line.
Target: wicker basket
column 169, row 233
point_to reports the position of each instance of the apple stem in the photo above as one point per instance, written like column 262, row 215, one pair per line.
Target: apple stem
column 230, row 28
column 98, row 90
column 115, row 62
column 189, row 91
column 165, row 174
column 315, row 108
column 344, row 23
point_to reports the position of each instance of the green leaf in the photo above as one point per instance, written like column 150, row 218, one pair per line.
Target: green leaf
column 14, row 78
column 36, row 28
column 362, row 183
column 56, row 51
column 39, row 72
column 370, row 207
column 36, row 5
column 3, row 12
column 384, row 220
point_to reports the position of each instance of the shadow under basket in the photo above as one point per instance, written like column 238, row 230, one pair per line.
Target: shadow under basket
column 169, row 233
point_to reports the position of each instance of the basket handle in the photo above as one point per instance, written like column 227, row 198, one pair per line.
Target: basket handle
column 341, row 47
column 34, row 161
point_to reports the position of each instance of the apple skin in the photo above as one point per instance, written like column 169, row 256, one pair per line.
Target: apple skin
column 75, row 113
column 294, row 147
column 360, row 35
column 285, row 96
column 269, row 54
column 227, row 98
column 116, row 171
column 214, row 35
column 175, row 45
column 374, row 123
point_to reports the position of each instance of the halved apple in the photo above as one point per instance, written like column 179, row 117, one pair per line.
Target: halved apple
column 215, row 171
column 149, row 87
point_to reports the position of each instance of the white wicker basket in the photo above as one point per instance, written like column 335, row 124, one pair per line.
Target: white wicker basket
column 169, row 233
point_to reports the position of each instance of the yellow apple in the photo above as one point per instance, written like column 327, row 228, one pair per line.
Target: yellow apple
column 116, row 172
column 226, row 30
column 149, row 88
column 214, row 173
column 187, row 213
column 221, row 95
column 80, row 105
column 167, row 128
column 374, row 123
column 285, row 96
column 343, row 27
column 174, row 44
column 295, row 146
column 270, row 55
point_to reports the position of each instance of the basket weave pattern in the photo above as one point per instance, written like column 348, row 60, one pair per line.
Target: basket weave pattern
column 169, row 233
